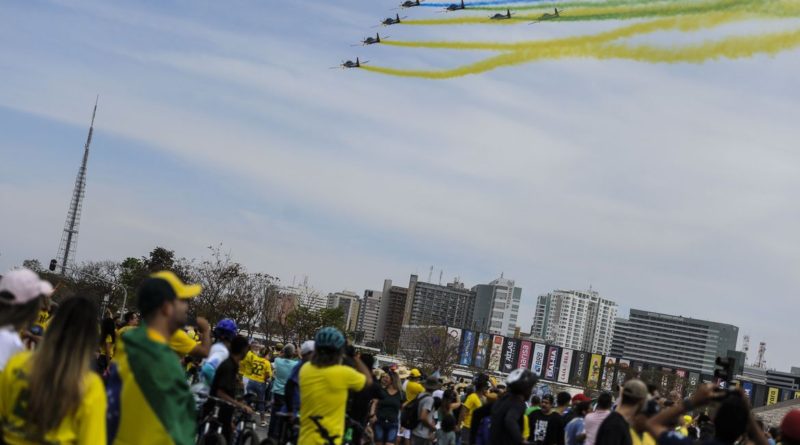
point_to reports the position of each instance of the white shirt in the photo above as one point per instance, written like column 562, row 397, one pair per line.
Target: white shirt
column 591, row 424
column 10, row 344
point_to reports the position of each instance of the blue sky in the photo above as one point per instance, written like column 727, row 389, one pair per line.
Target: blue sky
column 666, row 187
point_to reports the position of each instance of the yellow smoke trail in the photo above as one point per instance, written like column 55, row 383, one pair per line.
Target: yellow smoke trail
column 647, row 10
column 685, row 24
column 732, row 47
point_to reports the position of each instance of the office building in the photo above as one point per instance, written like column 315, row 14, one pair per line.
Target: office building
column 349, row 303
column 390, row 320
column 673, row 341
column 497, row 307
column 429, row 304
column 369, row 314
column 576, row 320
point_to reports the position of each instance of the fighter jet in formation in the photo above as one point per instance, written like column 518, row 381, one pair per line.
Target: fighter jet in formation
column 456, row 7
column 499, row 16
column 409, row 4
column 547, row 16
column 372, row 40
column 391, row 21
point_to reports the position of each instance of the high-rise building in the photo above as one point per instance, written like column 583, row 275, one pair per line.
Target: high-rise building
column 673, row 341
column 349, row 303
column 429, row 304
column 496, row 307
column 390, row 321
column 576, row 320
column 369, row 314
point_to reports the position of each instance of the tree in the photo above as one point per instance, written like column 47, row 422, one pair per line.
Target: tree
column 33, row 265
column 429, row 348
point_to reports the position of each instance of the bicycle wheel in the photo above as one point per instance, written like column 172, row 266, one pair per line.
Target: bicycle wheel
column 212, row 438
column 248, row 437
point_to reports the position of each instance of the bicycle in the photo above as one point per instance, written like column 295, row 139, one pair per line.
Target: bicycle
column 210, row 431
column 245, row 432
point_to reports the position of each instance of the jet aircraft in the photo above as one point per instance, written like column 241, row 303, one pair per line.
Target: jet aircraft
column 409, row 4
column 372, row 40
column 499, row 16
column 391, row 21
column 547, row 16
column 456, row 7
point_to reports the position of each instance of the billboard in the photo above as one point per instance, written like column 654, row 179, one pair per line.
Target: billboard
column 525, row 351
column 680, row 381
column 797, row 394
column 551, row 362
column 624, row 371
column 747, row 387
column 467, row 347
column 595, row 369
column 694, row 380
column 510, row 350
column 565, row 366
column 538, row 359
column 482, row 346
column 495, row 353
column 455, row 333
column 772, row 396
column 609, row 370
column 580, row 365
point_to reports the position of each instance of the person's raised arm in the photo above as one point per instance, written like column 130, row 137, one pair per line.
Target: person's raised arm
column 657, row 425
column 202, row 349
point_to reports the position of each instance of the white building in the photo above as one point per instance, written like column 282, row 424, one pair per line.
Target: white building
column 496, row 307
column 369, row 314
column 350, row 303
column 576, row 320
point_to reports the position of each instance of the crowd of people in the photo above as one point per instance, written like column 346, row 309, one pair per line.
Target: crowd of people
column 71, row 375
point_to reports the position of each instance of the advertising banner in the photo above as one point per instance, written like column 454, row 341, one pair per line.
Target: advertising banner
column 595, row 370
column 509, row 360
column 551, row 361
column 538, row 359
column 609, row 369
column 496, row 353
column 482, row 347
column 694, row 380
column 772, row 396
column 467, row 347
column 455, row 334
column 624, row 371
column 747, row 387
column 786, row 394
column 565, row 366
column 525, row 351
column 580, row 365
column 797, row 394
column 680, row 380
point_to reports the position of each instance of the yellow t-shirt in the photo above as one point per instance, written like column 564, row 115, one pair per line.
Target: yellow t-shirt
column 86, row 426
column 644, row 439
column 43, row 320
column 472, row 403
column 323, row 393
column 526, row 426
column 413, row 389
column 125, row 329
column 110, row 342
column 255, row 367
column 181, row 343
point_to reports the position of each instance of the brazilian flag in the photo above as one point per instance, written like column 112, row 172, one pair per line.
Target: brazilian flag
column 149, row 398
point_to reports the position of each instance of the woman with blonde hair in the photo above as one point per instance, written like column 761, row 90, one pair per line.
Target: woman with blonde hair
column 51, row 395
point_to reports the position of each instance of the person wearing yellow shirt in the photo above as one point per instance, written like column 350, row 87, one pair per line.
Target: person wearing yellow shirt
column 107, row 343
column 131, row 320
column 473, row 402
column 51, row 395
column 184, row 345
column 324, row 385
column 412, row 389
column 257, row 370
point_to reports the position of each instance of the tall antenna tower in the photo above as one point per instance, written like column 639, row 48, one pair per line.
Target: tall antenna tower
column 760, row 361
column 69, row 239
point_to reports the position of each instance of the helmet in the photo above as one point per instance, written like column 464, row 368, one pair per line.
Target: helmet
column 226, row 328
column 329, row 337
column 521, row 380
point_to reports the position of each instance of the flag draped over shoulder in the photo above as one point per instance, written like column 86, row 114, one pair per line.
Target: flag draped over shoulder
column 149, row 394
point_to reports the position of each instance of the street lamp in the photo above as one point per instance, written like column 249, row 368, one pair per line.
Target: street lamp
column 54, row 263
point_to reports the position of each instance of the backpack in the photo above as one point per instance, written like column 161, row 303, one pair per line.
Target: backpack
column 409, row 415
column 483, row 434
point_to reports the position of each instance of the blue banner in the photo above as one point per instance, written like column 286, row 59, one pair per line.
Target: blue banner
column 467, row 346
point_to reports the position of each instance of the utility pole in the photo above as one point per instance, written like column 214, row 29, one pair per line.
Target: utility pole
column 69, row 238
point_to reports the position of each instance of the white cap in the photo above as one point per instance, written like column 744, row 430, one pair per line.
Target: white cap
column 306, row 347
column 24, row 286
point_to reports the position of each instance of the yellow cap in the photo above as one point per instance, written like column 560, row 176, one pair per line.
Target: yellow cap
column 415, row 373
column 182, row 290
